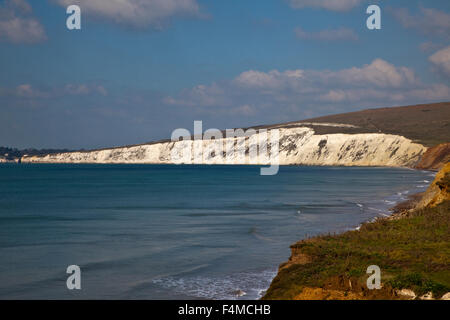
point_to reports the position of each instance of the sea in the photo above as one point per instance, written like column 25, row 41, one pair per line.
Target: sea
column 175, row 231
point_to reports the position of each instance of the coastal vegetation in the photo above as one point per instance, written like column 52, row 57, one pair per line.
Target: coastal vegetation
column 411, row 248
column 12, row 154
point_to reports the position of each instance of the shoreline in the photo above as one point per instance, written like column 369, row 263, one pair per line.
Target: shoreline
column 344, row 285
column 217, row 165
column 397, row 211
column 398, row 207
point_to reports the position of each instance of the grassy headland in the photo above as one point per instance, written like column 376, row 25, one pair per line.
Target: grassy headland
column 411, row 248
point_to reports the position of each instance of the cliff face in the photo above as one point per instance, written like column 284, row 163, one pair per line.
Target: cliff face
column 298, row 146
column 435, row 157
column 438, row 191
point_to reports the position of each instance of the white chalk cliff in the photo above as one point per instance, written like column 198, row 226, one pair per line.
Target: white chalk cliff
column 297, row 146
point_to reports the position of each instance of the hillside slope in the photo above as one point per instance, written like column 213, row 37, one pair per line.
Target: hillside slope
column 411, row 249
column 427, row 124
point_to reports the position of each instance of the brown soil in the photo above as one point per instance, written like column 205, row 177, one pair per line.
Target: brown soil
column 438, row 191
column 343, row 288
column 435, row 157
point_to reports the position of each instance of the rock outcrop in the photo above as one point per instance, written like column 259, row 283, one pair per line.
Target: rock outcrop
column 438, row 191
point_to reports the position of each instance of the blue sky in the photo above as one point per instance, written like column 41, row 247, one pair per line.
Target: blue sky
column 139, row 69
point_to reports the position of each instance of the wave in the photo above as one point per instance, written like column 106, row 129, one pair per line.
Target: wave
column 254, row 232
column 245, row 285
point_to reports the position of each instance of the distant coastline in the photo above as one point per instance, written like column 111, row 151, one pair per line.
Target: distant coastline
column 10, row 155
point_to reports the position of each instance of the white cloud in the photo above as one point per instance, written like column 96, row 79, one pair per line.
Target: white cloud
column 327, row 35
column 291, row 91
column 378, row 73
column 27, row 91
column 435, row 92
column 429, row 46
column 137, row 13
column 200, row 96
column 17, row 25
column 428, row 21
column 270, row 80
column 83, row 89
column 21, row 5
column 356, row 95
column 441, row 60
column 246, row 110
column 334, row 5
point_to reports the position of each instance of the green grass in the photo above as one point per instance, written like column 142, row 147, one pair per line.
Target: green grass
column 412, row 252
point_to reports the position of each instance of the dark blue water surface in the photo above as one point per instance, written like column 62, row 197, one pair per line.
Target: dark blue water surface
column 171, row 232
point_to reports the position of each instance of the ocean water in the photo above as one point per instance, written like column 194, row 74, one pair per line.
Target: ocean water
column 174, row 232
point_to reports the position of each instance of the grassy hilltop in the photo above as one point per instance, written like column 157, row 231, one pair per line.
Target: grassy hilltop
column 428, row 124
